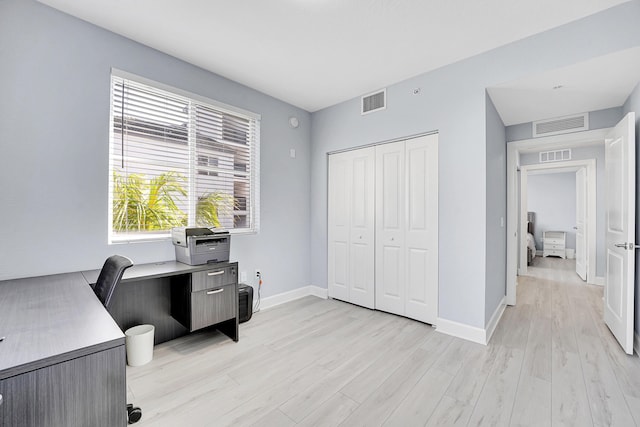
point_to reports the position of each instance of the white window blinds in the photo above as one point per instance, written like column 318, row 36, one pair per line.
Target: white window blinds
column 178, row 160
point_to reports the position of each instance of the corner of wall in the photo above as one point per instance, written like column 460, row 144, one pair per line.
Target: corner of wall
column 471, row 333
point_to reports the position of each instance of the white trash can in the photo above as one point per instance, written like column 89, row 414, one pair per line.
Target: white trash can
column 139, row 344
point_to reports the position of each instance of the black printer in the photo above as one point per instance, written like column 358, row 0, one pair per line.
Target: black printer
column 200, row 245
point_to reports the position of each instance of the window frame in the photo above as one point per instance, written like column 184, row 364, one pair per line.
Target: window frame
column 254, row 156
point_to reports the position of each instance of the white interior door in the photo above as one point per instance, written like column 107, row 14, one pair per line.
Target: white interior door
column 421, row 230
column 339, row 222
column 581, row 223
column 362, row 230
column 390, row 223
column 620, row 231
column 351, row 226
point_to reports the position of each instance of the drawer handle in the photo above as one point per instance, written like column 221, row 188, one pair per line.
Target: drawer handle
column 217, row 291
column 215, row 273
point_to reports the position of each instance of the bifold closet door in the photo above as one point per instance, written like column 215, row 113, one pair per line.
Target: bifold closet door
column 390, row 227
column 351, row 210
column 407, row 228
column 421, row 229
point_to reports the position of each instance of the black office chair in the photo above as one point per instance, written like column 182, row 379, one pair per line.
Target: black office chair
column 109, row 277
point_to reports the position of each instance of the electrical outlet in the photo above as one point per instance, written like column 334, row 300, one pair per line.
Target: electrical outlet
column 258, row 274
column 243, row 276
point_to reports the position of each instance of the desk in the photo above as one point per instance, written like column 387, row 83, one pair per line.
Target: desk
column 62, row 362
column 166, row 294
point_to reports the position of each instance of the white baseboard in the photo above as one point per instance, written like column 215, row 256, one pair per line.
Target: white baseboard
column 636, row 343
column 598, row 280
column 472, row 333
column 319, row 292
column 460, row 330
column 295, row 294
column 495, row 319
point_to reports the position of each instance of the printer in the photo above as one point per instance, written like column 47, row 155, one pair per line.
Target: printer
column 195, row 245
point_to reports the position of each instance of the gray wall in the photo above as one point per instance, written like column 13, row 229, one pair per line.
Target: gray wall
column 552, row 197
column 54, row 139
column 633, row 104
column 496, row 248
column 583, row 153
column 597, row 120
column 452, row 101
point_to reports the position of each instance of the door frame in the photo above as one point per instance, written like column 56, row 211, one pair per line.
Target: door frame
column 569, row 166
column 578, row 139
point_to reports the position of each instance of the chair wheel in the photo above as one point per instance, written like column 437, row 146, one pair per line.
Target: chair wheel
column 133, row 414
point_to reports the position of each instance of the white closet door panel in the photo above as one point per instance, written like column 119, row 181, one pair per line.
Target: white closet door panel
column 362, row 229
column 417, row 274
column 361, row 279
column 390, row 179
column 422, row 228
column 339, row 269
column 339, row 193
column 339, row 222
column 390, row 258
column 362, row 201
column 422, row 296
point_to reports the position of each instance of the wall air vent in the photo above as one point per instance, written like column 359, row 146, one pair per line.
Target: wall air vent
column 561, row 125
column 555, row 156
column 373, row 102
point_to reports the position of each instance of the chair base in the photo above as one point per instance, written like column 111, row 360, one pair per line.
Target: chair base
column 133, row 414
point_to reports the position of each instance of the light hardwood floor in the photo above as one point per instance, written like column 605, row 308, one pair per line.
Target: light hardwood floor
column 316, row 362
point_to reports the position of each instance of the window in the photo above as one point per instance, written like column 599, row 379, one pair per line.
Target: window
column 178, row 159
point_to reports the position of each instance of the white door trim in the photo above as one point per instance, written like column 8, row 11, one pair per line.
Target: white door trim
column 513, row 160
column 573, row 165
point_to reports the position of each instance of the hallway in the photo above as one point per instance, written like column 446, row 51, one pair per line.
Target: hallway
column 574, row 371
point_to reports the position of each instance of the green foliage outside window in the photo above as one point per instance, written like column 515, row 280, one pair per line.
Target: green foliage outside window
column 141, row 204
column 210, row 206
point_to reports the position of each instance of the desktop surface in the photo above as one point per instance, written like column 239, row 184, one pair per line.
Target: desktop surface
column 153, row 270
column 51, row 319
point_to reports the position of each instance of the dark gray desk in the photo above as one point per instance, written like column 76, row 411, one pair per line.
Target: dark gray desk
column 160, row 294
column 62, row 361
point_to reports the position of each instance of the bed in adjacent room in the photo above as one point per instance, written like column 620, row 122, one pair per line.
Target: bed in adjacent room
column 531, row 241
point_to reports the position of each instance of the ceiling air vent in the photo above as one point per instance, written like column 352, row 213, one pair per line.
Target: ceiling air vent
column 561, row 125
column 374, row 102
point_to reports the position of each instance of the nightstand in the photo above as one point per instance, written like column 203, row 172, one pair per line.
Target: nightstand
column 554, row 243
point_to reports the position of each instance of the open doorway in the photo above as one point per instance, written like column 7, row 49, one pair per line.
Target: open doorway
column 587, row 150
column 619, row 223
column 562, row 228
column 558, row 212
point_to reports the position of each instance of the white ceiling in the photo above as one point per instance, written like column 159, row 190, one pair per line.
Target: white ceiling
column 316, row 53
column 599, row 83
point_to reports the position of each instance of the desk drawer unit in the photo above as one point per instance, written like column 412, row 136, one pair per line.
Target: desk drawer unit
column 213, row 306
column 210, row 297
column 212, row 278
